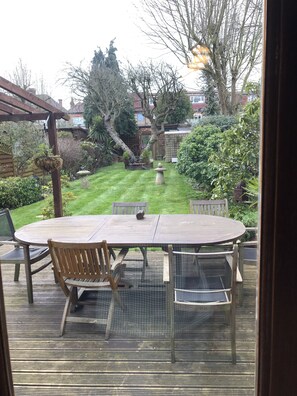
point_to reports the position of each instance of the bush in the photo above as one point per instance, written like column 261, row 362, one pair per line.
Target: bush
column 72, row 154
column 48, row 211
column 95, row 156
column 244, row 213
column 16, row 192
column 237, row 159
column 79, row 155
column 194, row 152
column 221, row 121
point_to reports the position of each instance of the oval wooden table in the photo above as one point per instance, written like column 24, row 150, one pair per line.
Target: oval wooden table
column 126, row 230
column 180, row 230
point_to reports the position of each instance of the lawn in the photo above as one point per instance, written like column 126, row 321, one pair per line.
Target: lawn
column 114, row 183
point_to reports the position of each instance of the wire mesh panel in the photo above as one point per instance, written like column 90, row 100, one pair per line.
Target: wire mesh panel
column 6, row 226
column 145, row 315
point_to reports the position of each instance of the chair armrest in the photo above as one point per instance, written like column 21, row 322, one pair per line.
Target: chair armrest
column 238, row 274
column 166, row 278
column 248, row 244
column 119, row 259
column 252, row 229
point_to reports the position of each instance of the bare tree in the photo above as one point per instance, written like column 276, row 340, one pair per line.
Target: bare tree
column 22, row 75
column 106, row 89
column 228, row 32
column 158, row 88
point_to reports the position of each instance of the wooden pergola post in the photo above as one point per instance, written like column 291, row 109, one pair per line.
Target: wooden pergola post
column 56, row 180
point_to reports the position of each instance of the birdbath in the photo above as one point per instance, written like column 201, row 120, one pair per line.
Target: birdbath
column 84, row 180
column 160, row 174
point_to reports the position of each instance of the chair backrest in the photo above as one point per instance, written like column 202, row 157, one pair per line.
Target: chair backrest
column 7, row 229
column 125, row 208
column 83, row 261
column 201, row 278
column 214, row 207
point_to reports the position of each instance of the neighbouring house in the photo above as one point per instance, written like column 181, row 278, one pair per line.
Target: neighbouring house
column 76, row 114
column 57, row 104
column 198, row 103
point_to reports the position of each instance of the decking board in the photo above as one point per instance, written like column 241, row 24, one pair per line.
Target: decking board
column 83, row 363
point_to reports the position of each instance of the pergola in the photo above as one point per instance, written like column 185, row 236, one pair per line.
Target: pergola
column 17, row 104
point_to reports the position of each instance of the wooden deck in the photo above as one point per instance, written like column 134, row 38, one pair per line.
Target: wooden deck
column 82, row 363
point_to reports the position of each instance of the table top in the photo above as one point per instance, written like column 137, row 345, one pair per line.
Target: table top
column 126, row 230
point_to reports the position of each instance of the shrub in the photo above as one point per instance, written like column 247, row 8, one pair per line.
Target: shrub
column 237, row 159
column 95, row 156
column 244, row 213
column 194, row 152
column 48, row 211
column 221, row 121
column 145, row 156
column 16, row 191
column 72, row 154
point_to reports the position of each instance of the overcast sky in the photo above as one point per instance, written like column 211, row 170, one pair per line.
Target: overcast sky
column 46, row 35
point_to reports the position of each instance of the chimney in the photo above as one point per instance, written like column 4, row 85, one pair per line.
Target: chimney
column 60, row 102
column 32, row 91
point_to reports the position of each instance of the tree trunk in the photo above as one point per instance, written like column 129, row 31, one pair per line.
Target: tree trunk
column 115, row 137
column 233, row 94
column 154, row 136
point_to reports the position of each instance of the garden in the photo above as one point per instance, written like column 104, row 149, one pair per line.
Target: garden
column 213, row 159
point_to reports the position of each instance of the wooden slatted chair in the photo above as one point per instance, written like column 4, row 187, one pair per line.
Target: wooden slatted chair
column 21, row 254
column 132, row 208
column 207, row 290
column 82, row 266
column 247, row 256
column 214, row 207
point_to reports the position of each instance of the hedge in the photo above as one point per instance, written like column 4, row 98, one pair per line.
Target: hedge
column 17, row 191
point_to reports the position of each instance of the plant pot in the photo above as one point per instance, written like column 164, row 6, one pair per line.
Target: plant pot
column 49, row 163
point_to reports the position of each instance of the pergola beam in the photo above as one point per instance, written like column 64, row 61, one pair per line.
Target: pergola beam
column 26, row 117
column 23, row 94
column 10, row 100
column 9, row 109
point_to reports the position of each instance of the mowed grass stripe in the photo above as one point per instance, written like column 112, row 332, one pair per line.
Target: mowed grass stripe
column 115, row 183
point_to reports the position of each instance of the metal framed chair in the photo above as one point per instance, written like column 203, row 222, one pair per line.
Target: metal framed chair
column 214, row 207
column 132, row 208
column 82, row 266
column 21, row 254
column 247, row 252
column 211, row 286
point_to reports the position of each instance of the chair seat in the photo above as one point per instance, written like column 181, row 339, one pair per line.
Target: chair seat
column 91, row 283
column 17, row 254
column 210, row 294
column 250, row 254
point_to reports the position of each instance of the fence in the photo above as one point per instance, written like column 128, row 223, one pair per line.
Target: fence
column 7, row 165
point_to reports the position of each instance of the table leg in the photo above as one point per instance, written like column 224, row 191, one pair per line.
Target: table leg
column 28, row 274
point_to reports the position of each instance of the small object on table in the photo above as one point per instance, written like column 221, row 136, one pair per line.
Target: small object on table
column 140, row 215
column 160, row 174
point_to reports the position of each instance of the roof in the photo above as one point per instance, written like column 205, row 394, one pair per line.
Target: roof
column 52, row 102
column 77, row 108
